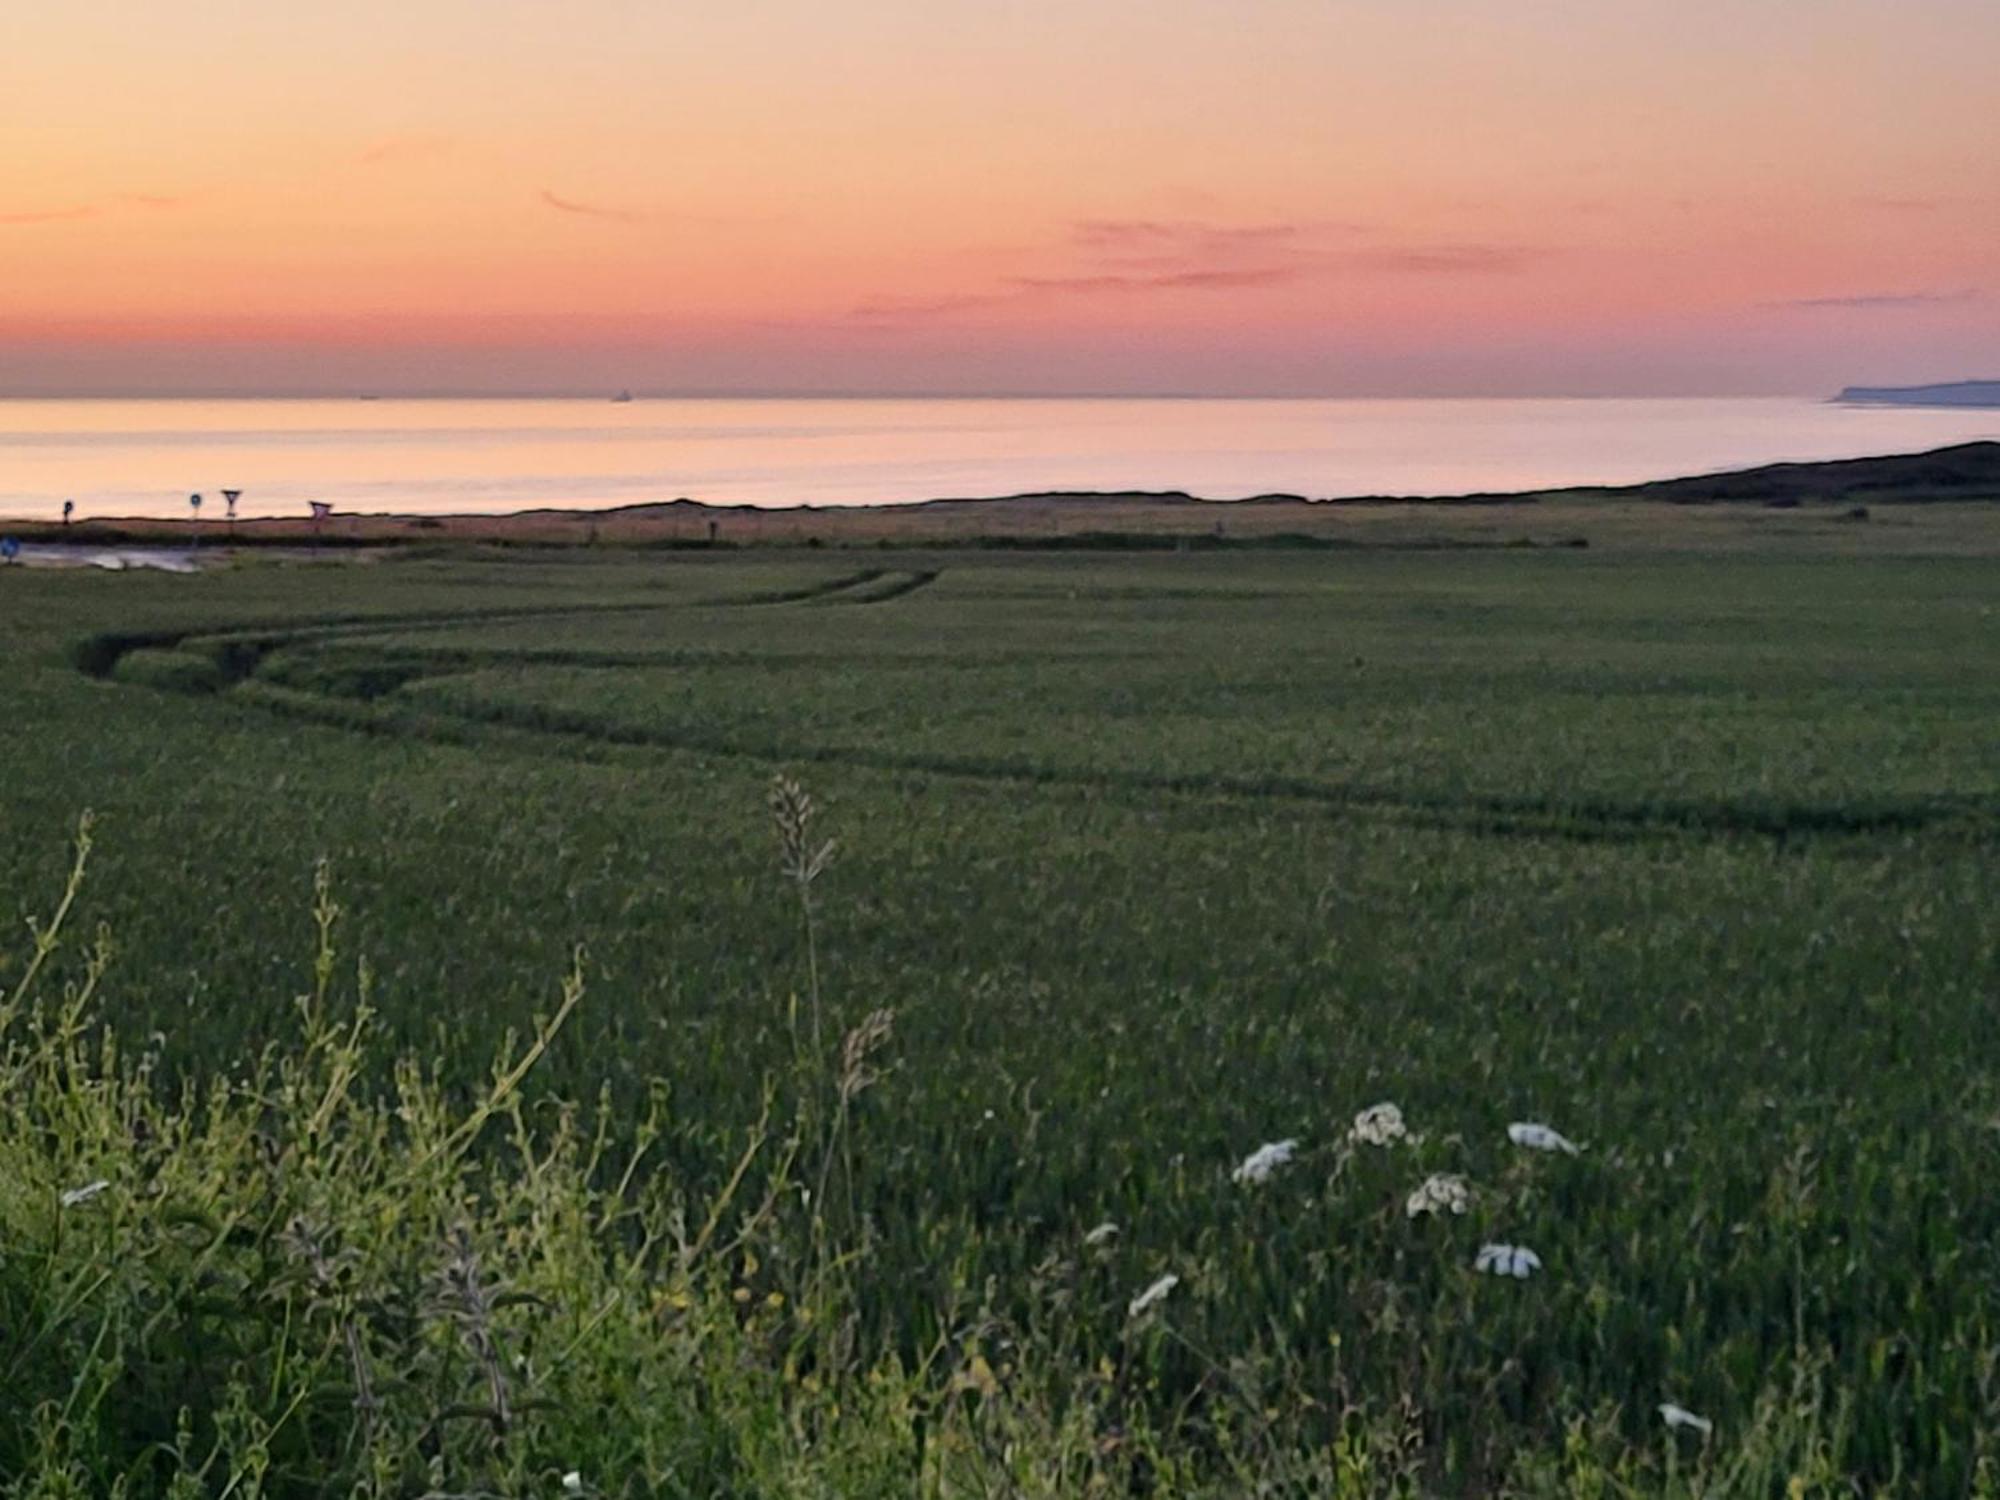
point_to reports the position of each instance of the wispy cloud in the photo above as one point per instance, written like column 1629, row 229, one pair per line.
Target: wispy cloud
column 397, row 148
column 75, row 211
column 1197, row 280
column 1186, row 234
column 1443, row 260
column 1019, row 288
column 589, row 210
column 1418, row 260
column 1124, row 257
column 889, row 309
column 50, row 215
column 1165, row 244
column 1886, row 301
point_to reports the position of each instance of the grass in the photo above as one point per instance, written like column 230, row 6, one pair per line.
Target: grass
column 1142, row 862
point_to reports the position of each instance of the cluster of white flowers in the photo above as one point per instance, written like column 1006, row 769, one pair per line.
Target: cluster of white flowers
column 73, row 1196
column 1541, row 1138
column 1379, row 1125
column 1519, row 1261
column 1680, row 1416
column 1441, row 1192
column 1154, row 1293
column 1266, row 1159
column 1507, row 1260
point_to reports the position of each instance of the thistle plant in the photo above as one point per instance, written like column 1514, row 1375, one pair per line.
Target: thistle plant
column 462, row 1295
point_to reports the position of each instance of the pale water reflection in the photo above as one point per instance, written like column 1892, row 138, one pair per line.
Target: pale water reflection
column 147, row 457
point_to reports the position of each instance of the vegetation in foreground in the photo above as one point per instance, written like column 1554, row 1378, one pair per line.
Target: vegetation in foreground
column 1140, row 872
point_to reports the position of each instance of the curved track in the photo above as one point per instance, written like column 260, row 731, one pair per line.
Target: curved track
column 258, row 666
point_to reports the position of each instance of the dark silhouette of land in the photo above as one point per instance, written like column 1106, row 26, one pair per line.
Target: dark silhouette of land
column 1950, row 393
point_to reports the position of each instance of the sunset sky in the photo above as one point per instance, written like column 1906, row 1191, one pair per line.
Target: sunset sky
column 1382, row 197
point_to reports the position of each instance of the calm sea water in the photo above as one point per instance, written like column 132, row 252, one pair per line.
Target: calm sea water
column 146, row 457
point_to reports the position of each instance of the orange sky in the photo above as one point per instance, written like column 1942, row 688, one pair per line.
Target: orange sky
column 1230, row 196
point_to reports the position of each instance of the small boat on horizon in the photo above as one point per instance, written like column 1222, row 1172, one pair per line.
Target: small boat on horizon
column 621, row 397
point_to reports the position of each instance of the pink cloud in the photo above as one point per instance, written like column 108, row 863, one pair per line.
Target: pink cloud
column 589, row 210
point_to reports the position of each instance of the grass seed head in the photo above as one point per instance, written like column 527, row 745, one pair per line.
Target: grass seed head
column 857, row 1070
column 792, row 815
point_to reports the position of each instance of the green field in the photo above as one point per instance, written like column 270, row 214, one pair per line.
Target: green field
column 1690, row 855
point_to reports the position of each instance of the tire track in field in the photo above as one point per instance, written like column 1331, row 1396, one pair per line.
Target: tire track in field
column 98, row 655
column 349, row 697
column 892, row 586
column 1586, row 820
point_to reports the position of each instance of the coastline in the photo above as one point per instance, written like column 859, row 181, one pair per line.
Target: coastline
column 1966, row 474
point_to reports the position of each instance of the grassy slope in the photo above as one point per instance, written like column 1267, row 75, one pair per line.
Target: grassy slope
column 1156, row 859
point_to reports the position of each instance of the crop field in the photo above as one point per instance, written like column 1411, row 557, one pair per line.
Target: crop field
column 1150, row 860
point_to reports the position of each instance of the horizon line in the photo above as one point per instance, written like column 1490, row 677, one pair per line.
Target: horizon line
column 613, row 398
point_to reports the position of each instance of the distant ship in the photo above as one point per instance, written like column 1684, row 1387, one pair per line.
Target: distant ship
column 622, row 396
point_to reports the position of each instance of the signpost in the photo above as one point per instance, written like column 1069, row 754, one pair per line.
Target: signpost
column 229, row 500
column 194, row 506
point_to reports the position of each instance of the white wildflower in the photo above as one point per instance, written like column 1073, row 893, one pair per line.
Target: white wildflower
column 1680, row 1416
column 1266, row 1159
column 1379, row 1125
column 1441, row 1192
column 1103, row 1233
column 1507, row 1260
column 572, row 1483
column 1154, row 1293
column 73, row 1196
column 1541, row 1138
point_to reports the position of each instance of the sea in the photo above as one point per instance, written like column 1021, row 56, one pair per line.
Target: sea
column 148, row 457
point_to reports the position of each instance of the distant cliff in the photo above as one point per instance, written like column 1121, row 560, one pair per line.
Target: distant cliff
column 1963, row 472
column 1955, row 393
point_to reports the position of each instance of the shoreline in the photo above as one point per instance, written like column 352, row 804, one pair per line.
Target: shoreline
column 1961, row 474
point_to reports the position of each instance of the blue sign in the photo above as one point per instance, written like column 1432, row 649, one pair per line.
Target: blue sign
column 10, row 548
